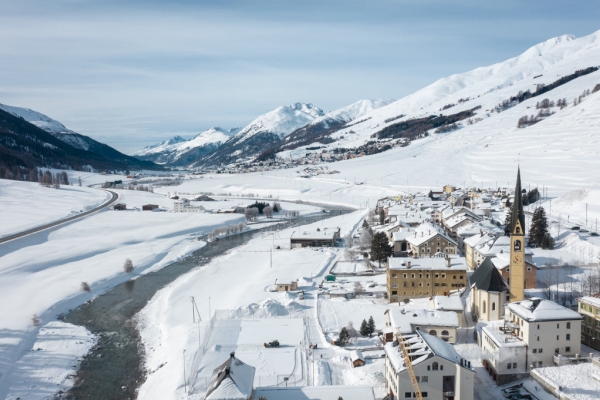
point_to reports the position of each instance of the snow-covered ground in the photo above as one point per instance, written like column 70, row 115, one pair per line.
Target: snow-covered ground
column 26, row 205
column 234, row 282
column 42, row 273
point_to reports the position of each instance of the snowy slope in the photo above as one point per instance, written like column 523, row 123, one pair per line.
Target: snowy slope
column 262, row 133
column 171, row 151
column 487, row 87
column 38, row 119
column 282, row 121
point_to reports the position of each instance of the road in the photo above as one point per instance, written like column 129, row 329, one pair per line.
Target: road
column 114, row 197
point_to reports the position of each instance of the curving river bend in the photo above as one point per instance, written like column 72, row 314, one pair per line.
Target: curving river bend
column 114, row 368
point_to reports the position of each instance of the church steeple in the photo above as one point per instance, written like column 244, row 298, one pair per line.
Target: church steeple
column 517, row 246
column 517, row 214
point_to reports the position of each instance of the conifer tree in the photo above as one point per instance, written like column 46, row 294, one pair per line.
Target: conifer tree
column 380, row 248
column 547, row 242
column 344, row 336
column 364, row 328
column 381, row 216
column 371, row 325
column 539, row 227
column 507, row 223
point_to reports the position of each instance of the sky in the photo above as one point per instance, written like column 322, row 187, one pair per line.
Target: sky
column 133, row 73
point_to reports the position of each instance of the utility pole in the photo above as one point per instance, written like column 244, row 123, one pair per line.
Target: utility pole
column 586, row 213
column 184, row 381
column 209, row 313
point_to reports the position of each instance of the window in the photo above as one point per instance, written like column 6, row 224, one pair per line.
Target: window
column 539, row 363
column 538, row 338
column 507, row 269
column 412, row 276
column 517, row 243
column 454, row 277
column 557, row 326
column 428, row 250
column 427, row 284
column 534, row 351
column 556, row 351
column 441, row 367
column 407, row 395
column 484, row 306
column 427, row 275
column 424, row 394
column 514, row 365
column 443, row 276
column 437, row 276
column 540, row 350
column 460, row 277
column 405, row 276
column 394, row 285
column 538, row 327
column 567, row 349
column 508, row 366
column 420, row 284
column 425, row 379
column 420, row 275
column 528, row 268
column 557, row 337
column 435, row 365
column 429, row 368
column 417, row 378
column 394, row 275
column 493, row 306
column 394, row 292
column 445, row 333
column 404, row 284
column 412, row 284
column 568, row 336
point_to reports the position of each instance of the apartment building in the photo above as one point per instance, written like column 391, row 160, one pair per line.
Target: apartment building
column 534, row 333
column 424, row 277
column 440, row 371
column 589, row 308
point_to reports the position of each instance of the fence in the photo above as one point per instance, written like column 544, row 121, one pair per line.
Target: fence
column 202, row 346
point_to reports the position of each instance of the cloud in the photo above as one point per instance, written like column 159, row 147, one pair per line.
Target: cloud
column 131, row 73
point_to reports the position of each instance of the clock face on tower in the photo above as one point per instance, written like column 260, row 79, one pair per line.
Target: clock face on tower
column 517, row 259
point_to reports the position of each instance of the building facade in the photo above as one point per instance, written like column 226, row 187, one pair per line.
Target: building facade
column 424, row 277
column 589, row 308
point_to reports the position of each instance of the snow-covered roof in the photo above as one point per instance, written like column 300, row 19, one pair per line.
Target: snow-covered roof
column 485, row 226
column 232, row 380
column 406, row 320
column 448, row 303
column 325, row 233
column 356, row 355
column 537, row 309
column 501, row 338
column 402, row 234
column 460, row 218
column 593, row 300
column 330, row 392
column 428, row 263
column 421, row 346
column 426, row 231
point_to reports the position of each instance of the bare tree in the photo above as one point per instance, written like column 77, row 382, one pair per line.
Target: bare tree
column 251, row 214
column 128, row 266
column 268, row 211
column 366, row 237
column 85, row 287
column 79, row 181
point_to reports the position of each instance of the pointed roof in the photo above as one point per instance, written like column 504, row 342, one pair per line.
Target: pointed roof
column 232, row 380
column 517, row 207
column 487, row 278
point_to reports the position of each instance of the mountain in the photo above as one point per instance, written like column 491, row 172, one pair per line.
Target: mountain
column 262, row 133
column 74, row 139
column 555, row 85
column 319, row 129
column 181, row 152
column 24, row 145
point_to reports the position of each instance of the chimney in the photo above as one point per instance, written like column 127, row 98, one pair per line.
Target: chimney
column 429, row 232
column 232, row 354
column 448, row 262
column 408, row 264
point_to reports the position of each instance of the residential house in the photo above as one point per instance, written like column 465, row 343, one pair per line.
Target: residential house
column 119, row 207
column 424, row 277
column 401, row 246
column 440, row 371
column 325, row 237
column 149, row 207
column 452, row 303
column 184, row 206
column 427, row 241
column 534, row 333
column 357, row 358
column 286, row 285
column 404, row 320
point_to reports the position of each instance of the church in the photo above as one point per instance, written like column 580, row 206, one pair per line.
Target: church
column 490, row 291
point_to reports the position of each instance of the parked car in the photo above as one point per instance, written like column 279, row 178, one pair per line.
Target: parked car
column 301, row 296
column 274, row 343
column 594, row 234
column 575, row 228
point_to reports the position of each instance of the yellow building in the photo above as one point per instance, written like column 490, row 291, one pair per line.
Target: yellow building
column 424, row 277
column 589, row 308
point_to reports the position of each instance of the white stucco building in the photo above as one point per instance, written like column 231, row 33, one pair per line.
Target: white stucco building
column 185, row 206
column 440, row 371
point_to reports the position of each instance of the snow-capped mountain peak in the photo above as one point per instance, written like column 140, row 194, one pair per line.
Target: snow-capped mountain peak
column 281, row 121
column 38, row 119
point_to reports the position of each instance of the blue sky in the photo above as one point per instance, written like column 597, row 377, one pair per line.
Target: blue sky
column 131, row 73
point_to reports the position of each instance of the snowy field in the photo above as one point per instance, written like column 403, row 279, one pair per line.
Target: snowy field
column 167, row 328
column 26, row 205
column 336, row 313
column 42, row 273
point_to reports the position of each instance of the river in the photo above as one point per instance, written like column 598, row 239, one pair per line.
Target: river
column 114, row 368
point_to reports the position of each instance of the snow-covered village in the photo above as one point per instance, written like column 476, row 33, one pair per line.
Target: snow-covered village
column 180, row 219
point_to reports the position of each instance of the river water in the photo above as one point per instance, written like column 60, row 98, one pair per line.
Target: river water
column 114, row 368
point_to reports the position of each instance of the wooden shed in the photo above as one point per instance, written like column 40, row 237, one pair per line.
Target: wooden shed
column 358, row 360
column 149, row 207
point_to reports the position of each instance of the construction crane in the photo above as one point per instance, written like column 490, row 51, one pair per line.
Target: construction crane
column 409, row 367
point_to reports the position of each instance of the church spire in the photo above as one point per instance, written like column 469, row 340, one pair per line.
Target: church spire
column 517, row 207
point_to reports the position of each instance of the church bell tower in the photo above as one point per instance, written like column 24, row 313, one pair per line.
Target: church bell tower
column 517, row 246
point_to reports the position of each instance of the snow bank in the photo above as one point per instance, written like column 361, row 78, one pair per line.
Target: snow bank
column 49, row 367
column 26, row 205
column 268, row 308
